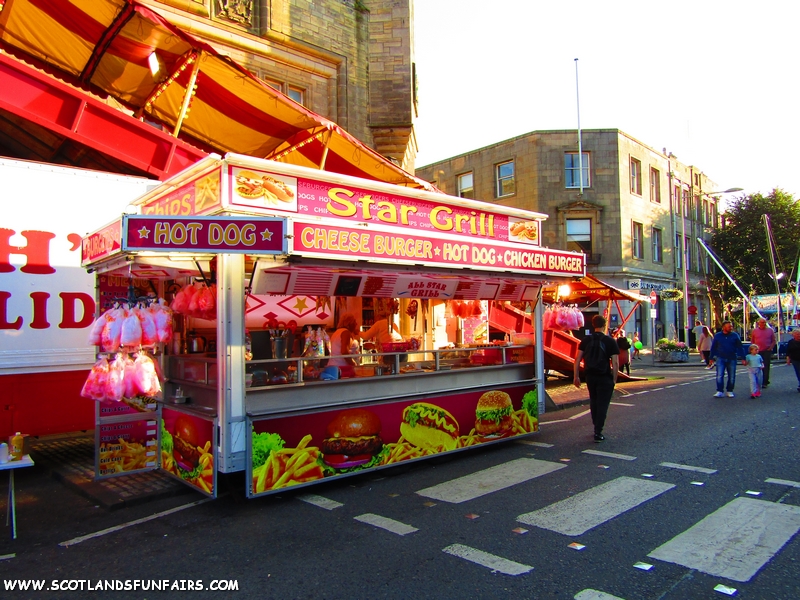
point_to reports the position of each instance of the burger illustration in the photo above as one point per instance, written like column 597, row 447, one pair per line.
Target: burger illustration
column 493, row 415
column 249, row 185
column 353, row 441
column 429, row 427
column 185, row 441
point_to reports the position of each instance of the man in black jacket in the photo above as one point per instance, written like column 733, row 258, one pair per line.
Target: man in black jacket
column 601, row 366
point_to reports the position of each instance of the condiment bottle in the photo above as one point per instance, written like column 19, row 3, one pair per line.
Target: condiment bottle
column 16, row 446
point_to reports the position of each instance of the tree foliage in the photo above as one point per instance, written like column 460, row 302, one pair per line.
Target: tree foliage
column 742, row 242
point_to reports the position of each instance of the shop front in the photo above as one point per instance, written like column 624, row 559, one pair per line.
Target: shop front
column 256, row 263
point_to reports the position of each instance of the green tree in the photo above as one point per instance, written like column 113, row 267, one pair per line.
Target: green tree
column 742, row 243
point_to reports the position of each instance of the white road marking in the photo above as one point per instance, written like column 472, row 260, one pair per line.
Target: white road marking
column 783, row 482
column 83, row 538
column 609, row 454
column 734, row 541
column 490, row 480
column 385, row 523
column 688, row 468
column 8, row 556
column 320, row 501
column 551, row 422
column 580, row 414
column 580, row 513
column 590, row 594
column 622, row 404
column 490, row 561
column 539, row 444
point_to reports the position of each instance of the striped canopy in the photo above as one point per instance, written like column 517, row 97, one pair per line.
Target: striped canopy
column 111, row 48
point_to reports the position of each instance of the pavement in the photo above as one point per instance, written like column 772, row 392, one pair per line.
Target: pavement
column 65, row 463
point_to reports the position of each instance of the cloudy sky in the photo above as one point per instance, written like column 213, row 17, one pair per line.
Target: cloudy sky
column 715, row 83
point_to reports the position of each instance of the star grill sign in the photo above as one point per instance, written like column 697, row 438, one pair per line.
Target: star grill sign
column 217, row 235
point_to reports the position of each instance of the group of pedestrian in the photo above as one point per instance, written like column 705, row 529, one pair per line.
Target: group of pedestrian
column 604, row 356
column 727, row 349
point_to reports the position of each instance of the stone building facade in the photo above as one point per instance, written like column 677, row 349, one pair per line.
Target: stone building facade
column 351, row 61
column 631, row 212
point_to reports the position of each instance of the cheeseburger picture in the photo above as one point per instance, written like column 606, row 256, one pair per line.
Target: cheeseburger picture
column 493, row 415
column 353, row 441
column 429, row 427
column 185, row 441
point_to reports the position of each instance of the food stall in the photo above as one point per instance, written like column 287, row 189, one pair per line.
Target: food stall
column 237, row 236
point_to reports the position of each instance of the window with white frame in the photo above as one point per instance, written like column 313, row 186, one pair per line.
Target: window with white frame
column 657, row 236
column 686, row 202
column 504, row 176
column 636, row 176
column 655, row 185
column 637, row 240
column 574, row 167
column 295, row 93
column 579, row 235
column 466, row 187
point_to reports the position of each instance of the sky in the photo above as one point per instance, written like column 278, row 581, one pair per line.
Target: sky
column 715, row 83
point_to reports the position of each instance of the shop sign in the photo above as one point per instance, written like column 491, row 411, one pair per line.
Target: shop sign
column 102, row 243
column 261, row 191
column 423, row 286
column 340, row 242
column 218, row 235
column 638, row 284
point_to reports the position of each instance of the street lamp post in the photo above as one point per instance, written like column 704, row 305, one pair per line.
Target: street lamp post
column 685, row 270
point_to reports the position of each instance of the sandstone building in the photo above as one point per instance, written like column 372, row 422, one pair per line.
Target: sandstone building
column 632, row 210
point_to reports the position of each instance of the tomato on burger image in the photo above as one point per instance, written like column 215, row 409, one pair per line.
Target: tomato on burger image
column 185, row 441
column 353, row 442
column 493, row 415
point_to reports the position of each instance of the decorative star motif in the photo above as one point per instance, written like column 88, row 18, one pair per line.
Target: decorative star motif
column 144, row 233
column 266, row 235
column 300, row 305
column 437, row 251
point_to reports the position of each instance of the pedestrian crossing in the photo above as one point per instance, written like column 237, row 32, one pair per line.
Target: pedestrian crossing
column 734, row 542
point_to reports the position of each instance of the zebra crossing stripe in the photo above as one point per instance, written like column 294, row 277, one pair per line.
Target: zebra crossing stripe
column 580, row 513
column 610, row 454
column 386, row 523
column 490, row 480
column 590, row 594
column 320, row 501
column 783, row 482
column 688, row 468
column 490, row 561
column 734, row 541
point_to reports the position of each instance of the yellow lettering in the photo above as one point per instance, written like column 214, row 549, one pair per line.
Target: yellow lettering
column 340, row 206
column 446, row 223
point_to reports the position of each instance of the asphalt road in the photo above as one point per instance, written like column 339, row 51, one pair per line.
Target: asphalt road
column 375, row 536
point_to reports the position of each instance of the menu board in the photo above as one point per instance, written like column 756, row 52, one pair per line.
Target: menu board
column 124, row 447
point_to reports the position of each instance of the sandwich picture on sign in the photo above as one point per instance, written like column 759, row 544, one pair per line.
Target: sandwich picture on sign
column 264, row 190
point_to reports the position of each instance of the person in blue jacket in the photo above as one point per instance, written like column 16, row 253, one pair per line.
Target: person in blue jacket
column 726, row 351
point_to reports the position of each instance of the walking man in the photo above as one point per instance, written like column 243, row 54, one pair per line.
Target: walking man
column 726, row 351
column 764, row 337
column 697, row 330
column 600, row 356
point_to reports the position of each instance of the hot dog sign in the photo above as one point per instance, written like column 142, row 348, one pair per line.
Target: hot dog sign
column 253, row 235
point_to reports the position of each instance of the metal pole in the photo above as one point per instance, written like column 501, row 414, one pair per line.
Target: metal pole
column 721, row 268
column 775, row 279
column 580, row 143
column 685, row 269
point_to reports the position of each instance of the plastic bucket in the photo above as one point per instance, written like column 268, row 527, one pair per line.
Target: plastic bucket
column 278, row 347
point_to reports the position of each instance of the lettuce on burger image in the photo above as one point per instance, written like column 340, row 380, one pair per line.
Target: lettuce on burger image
column 494, row 415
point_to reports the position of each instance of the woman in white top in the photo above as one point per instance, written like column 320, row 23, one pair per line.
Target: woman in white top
column 344, row 341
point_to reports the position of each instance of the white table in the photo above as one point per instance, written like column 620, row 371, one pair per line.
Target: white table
column 11, row 513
